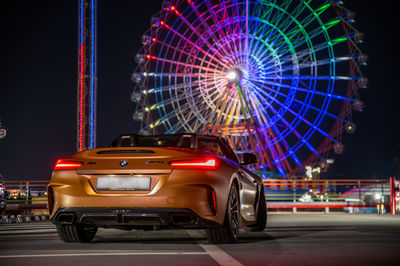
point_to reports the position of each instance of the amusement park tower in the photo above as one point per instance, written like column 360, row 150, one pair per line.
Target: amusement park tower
column 87, row 75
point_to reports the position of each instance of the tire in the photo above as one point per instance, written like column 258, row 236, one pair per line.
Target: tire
column 261, row 221
column 229, row 232
column 76, row 233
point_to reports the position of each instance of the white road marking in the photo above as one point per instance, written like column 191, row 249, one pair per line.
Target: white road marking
column 220, row 256
column 28, row 231
column 4, row 227
column 100, row 254
column 30, row 236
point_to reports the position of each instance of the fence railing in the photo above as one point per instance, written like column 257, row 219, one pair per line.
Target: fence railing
column 280, row 194
column 25, row 195
column 359, row 195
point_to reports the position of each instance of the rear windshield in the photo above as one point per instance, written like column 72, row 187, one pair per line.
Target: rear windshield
column 152, row 141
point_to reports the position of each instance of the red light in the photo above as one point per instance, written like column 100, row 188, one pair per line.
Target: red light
column 162, row 23
column 154, row 39
column 175, row 10
column 148, row 56
column 207, row 163
column 178, row 149
column 214, row 199
column 81, row 96
column 65, row 165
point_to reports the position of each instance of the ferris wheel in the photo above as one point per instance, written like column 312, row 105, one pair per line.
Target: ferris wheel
column 278, row 78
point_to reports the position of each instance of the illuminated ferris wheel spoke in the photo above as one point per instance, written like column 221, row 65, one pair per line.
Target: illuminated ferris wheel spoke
column 177, row 85
column 216, row 65
column 231, row 114
column 257, row 105
column 214, row 111
column 310, row 124
column 330, row 95
column 316, row 63
column 308, row 77
column 206, row 42
column 286, row 24
column 177, row 63
column 270, row 30
column 169, row 75
column 216, row 21
column 269, row 106
column 281, row 47
column 184, row 111
column 303, row 104
column 314, row 49
column 302, row 139
column 169, row 101
column 193, row 44
column 273, row 150
column 279, row 133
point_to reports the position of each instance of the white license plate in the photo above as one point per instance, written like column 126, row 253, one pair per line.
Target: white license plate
column 123, row 183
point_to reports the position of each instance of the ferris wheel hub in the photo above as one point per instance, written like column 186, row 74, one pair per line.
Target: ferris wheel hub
column 234, row 75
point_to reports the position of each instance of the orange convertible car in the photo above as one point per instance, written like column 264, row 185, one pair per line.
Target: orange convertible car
column 156, row 182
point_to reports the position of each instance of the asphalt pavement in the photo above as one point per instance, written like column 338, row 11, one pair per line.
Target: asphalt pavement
column 290, row 239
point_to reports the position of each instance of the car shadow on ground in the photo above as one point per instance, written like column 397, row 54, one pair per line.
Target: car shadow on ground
column 183, row 237
column 173, row 237
column 275, row 233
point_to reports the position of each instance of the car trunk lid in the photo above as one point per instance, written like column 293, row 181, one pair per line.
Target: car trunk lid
column 108, row 168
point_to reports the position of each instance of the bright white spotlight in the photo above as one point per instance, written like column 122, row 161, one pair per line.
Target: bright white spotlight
column 233, row 76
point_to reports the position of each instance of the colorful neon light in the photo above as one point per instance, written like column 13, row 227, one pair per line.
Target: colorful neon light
column 87, row 75
column 81, row 75
column 92, row 75
column 294, row 94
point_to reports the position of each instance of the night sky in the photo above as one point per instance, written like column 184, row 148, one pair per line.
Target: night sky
column 39, row 72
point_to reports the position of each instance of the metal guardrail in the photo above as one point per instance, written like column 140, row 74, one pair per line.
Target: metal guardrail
column 23, row 207
column 26, row 195
column 326, row 190
column 280, row 194
column 25, row 184
column 353, row 195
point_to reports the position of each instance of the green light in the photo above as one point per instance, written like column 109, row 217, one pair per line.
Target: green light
column 338, row 40
column 322, row 8
column 332, row 23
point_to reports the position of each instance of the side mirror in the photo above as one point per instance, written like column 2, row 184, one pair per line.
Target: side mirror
column 249, row 158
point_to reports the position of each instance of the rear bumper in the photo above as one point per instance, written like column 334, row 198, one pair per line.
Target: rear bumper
column 103, row 216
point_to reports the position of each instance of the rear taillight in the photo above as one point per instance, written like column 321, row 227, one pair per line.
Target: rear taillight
column 67, row 164
column 206, row 164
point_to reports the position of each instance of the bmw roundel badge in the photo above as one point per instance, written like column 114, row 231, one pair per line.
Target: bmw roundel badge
column 123, row 163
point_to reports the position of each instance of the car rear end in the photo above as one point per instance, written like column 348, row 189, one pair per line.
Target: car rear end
column 139, row 187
